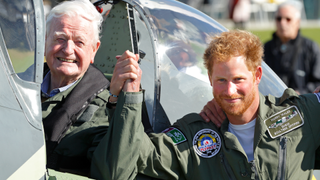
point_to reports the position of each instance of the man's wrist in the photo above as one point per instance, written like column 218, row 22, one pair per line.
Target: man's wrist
column 113, row 95
column 112, row 99
column 111, row 102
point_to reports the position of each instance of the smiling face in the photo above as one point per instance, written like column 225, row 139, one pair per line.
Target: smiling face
column 70, row 48
column 235, row 88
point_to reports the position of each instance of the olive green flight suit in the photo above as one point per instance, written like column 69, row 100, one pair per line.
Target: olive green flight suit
column 82, row 137
column 287, row 135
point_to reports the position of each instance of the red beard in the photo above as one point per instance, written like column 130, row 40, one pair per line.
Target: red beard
column 237, row 108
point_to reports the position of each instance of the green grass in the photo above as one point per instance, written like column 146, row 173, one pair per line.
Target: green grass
column 311, row 33
column 21, row 60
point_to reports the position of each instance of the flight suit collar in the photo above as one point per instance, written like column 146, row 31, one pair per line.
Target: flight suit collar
column 231, row 141
column 260, row 128
column 62, row 95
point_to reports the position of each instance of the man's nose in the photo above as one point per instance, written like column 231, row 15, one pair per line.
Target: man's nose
column 231, row 88
column 283, row 21
column 69, row 47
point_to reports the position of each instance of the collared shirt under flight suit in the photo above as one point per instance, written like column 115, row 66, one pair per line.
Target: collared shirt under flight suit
column 288, row 154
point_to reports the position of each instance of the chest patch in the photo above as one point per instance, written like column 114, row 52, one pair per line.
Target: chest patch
column 176, row 135
column 284, row 121
column 206, row 143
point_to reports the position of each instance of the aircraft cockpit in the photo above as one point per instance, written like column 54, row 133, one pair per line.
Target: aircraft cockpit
column 173, row 37
column 21, row 63
column 170, row 38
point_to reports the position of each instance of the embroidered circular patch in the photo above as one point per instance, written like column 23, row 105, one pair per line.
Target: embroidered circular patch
column 206, row 143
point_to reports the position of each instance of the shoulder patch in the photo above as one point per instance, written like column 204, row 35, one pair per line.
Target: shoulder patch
column 175, row 134
column 206, row 143
column 284, row 121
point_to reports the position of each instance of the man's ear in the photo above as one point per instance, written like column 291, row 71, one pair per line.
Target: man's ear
column 258, row 75
column 95, row 49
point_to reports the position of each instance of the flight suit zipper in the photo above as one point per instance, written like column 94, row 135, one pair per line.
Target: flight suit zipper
column 254, row 170
column 282, row 158
column 227, row 167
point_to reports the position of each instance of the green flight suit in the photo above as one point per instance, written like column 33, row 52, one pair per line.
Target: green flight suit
column 75, row 121
column 84, row 135
column 287, row 134
column 128, row 109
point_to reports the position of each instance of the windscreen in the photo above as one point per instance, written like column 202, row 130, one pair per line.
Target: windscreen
column 182, row 34
column 17, row 23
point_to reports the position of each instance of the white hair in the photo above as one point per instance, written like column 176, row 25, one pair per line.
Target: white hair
column 297, row 5
column 83, row 8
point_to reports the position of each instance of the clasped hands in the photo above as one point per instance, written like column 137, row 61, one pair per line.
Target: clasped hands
column 126, row 75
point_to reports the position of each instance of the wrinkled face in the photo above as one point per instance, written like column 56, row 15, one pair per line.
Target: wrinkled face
column 287, row 23
column 234, row 86
column 69, row 47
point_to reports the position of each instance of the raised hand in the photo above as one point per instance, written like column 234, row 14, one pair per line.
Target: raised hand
column 126, row 68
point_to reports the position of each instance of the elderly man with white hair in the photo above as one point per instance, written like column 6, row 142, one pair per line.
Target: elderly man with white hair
column 76, row 103
column 294, row 58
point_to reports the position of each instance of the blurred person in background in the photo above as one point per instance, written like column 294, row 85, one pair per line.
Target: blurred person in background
column 239, row 13
column 294, row 58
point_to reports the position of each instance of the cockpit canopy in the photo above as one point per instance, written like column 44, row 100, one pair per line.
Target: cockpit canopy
column 173, row 37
